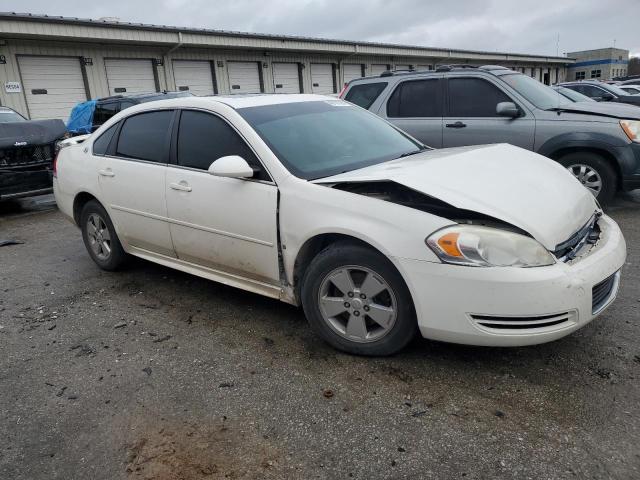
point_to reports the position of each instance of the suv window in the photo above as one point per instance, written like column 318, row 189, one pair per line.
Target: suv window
column 203, row 138
column 474, row 97
column 416, row 98
column 588, row 90
column 101, row 144
column 144, row 136
column 104, row 112
column 365, row 94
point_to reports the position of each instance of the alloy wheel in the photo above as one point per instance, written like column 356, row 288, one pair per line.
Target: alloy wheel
column 588, row 176
column 99, row 236
column 357, row 304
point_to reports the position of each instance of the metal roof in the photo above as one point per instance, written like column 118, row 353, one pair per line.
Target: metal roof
column 428, row 51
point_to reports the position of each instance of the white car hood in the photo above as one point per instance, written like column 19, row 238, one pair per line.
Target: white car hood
column 505, row 182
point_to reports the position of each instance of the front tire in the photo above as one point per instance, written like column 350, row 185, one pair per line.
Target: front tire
column 356, row 300
column 100, row 237
column 594, row 172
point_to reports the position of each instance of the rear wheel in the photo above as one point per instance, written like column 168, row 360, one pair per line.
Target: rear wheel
column 594, row 172
column 100, row 237
column 356, row 300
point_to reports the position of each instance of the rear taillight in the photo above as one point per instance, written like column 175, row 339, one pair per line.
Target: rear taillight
column 55, row 164
column 341, row 94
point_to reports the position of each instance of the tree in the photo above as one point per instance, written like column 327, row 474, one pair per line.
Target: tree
column 634, row 66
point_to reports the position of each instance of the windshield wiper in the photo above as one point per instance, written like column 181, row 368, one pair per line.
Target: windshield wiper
column 407, row 154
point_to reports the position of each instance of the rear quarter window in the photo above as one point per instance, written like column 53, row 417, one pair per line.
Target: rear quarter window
column 365, row 94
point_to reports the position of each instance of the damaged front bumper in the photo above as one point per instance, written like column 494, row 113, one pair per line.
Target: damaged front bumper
column 505, row 306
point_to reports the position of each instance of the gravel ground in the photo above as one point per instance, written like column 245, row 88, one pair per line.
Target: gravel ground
column 152, row 373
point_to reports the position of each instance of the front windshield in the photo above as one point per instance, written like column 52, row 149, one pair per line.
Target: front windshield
column 538, row 94
column 324, row 138
column 573, row 95
column 616, row 90
column 8, row 116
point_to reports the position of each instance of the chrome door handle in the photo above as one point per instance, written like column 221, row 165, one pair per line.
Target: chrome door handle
column 106, row 173
column 456, row 125
column 182, row 186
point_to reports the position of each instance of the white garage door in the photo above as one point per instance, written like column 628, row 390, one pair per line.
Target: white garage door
column 244, row 77
column 377, row 69
column 351, row 71
column 52, row 85
column 193, row 76
column 425, row 67
column 286, row 78
column 322, row 78
column 127, row 76
column 403, row 67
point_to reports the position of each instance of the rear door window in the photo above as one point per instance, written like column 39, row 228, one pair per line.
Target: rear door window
column 101, row 144
column 365, row 94
column 104, row 112
column 474, row 97
column 416, row 98
column 146, row 136
column 204, row 138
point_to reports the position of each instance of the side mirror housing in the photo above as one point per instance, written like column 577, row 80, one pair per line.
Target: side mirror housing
column 232, row 166
column 507, row 109
column 607, row 97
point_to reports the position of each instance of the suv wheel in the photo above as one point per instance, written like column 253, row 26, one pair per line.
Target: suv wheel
column 100, row 237
column 594, row 172
column 356, row 300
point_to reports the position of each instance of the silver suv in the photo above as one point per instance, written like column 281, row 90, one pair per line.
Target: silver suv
column 461, row 105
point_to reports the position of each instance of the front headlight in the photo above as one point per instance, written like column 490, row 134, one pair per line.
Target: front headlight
column 487, row 247
column 632, row 129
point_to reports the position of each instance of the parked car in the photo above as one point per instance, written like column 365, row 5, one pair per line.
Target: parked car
column 319, row 203
column 572, row 94
column 635, row 80
column 455, row 106
column 602, row 92
column 630, row 89
column 27, row 148
column 87, row 116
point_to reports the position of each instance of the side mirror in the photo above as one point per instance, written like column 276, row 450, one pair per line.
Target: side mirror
column 232, row 166
column 607, row 97
column 507, row 109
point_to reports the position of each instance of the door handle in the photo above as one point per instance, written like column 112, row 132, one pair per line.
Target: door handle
column 182, row 186
column 456, row 125
column 106, row 173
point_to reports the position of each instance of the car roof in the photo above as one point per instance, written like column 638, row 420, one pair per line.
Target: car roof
column 455, row 68
column 238, row 101
column 143, row 96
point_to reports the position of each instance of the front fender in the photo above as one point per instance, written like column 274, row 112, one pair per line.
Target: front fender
column 615, row 146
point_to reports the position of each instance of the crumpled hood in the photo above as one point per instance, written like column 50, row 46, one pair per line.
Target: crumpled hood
column 505, row 182
column 609, row 109
column 32, row 132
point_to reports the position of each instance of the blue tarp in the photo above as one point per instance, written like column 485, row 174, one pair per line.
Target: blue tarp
column 81, row 118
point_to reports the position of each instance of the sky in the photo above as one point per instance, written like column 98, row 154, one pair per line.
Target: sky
column 541, row 27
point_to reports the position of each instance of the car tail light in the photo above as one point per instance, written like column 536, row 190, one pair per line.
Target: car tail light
column 55, row 166
column 341, row 94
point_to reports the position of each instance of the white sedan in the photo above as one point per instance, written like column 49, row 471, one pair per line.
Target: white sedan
column 319, row 203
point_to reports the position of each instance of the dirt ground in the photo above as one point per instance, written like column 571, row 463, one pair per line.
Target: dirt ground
column 155, row 374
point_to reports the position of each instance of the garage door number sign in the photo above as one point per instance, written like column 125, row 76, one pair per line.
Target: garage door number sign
column 12, row 87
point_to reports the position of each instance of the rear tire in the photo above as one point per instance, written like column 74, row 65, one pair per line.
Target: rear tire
column 100, row 237
column 592, row 169
column 372, row 311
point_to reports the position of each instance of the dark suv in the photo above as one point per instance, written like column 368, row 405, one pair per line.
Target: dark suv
column 87, row 116
column 460, row 105
column 602, row 92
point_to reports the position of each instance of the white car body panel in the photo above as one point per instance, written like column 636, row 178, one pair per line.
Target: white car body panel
column 465, row 177
column 249, row 234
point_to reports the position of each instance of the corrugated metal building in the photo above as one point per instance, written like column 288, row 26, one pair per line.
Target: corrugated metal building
column 47, row 64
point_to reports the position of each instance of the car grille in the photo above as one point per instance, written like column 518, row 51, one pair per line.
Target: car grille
column 587, row 235
column 602, row 292
column 19, row 157
column 513, row 324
